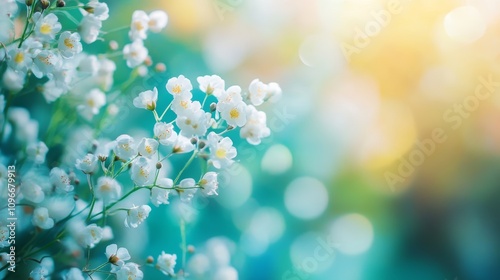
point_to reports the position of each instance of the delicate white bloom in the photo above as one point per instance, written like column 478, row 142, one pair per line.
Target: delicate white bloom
column 91, row 235
column 211, row 85
column 182, row 104
column 142, row 70
column 103, row 148
column 256, row 127
column 231, row 95
column 32, row 191
column 45, row 63
column 46, row 27
column 135, row 53
column 4, row 237
column 129, row 271
column 88, row 164
column 148, row 147
column 257, row 92
column 69, row 44
column 139, row 25
column 165, row 133
column 274, row 92
column 99, row 10
column 107, row 189
column 160, row 195
column 51, row 91
column 157, row 21
column 222, row 151
column 107, row 233
column 20, row 59
column 36, row 152
column 13, row 80
column 60, row 179
column 88, row 65
column 94, row 100
column 182, row 145
column 209, row 183
column 73, row 273
column 179, row 86
column 6, row 34
column 9, row 8
column 166, row 263
column 136, row 215
column 117, row 256
column 147, row 99
column 124, row 147
column 89, row 28
column 142, row 171
column 234, row 113
column 187, row 189
column 39, row 273
column 194, row 122
column 104, row 78
column 41, row 218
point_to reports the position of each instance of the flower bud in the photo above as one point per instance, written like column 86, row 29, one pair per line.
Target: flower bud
column 113, row 259
column 60, row 3
column 102, row 158
column 76, row 197
column 191, row 249
column 213, row 107
column 158, row 165
column 193, row 140
column 160, row 67
column 113, row 45
column 45, row 4
column 230, row 127
column 29, row 3
column 148, row 61
column 89, row 9
column 150, row 260
column 201, row 144
column 77, row 182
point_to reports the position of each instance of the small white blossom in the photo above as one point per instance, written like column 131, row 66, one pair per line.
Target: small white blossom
column 94, row 100
column 139, row 25
column 45, row 63
column 142, row 171
column 36, row 152
column 183, row 104
column 13, row 80
column 39, row 273
column 117, row 256
column 91, row 235
column 148, row 147
column 257, row 92
column 157, row 21
column 274, row 92
column 222, row 151
column 165, row 133
column 41, row 218
column 160, row 195
column 182, row 145
column 73, row 273
column 69, row 44
column 211, row 85
column 179, row 86
column 136, row 215
column 99, row 9
column 89, row 28
column 51, row 91
column 255, row 129
column 88, row 164
column 135, row 53
column 107, row 189
column 209, row 183
column 32, row 191
column 166, row 263
column 124, row 147
column 231, row 95
column 20, row 59
column 46, row 27
column 187, row 189
column 129, row 271
column 234, row 113
column 60, row 180
column 147, row 99
column 194, row 122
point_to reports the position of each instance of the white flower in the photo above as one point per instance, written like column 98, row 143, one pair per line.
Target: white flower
column 139, row 25
column 69, row 44
column 20, row 59
column 194, row 122
column 36, row 151
column 182, row 104
column 165, row 133
column 41, row 218
column 157, row 21
column 256, row 127
column 136, row 215
column 129, row 271
column 94, row 100
column 257, row 92
column 7, row 33
column 211, row 85
column 91, row 235
column 9, row 8
column 182, row 145
column 117, row 256
column 166, row 263
column 124, row 147
column 88, row 164
column 39, row 273
column 160, row 195
column 231, row 95
column 13, row 80
column 89, row 28
column 222, row 151
column 73, row 273
column 179, row 86
column 60, row 179
column 51, row 91
column 142, row 171
column 187, row 189
column 32, row 191
column 99, row 10
column 107, row 189
column 147, row 99
column 88, row 64
column 148, row 147
column 274, row 92
column 45, row 63
column 135, row 53
column 209, row 183
column 234, row 113
column 46, row 27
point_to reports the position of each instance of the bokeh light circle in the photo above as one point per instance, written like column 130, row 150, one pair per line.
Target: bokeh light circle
column 306, row 198
column 353, row 232
column 465, row 24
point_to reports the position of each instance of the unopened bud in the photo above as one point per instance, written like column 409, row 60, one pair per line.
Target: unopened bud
column 193, row 140
column 230, row 127
column 158, row 165
column 191, row 249
column 60, row 3
column 113, row 45
column 102, row 158
column 113, row 259
column 76, row 197
column 160, row 67
column 213, row 107
column 45, row 4
column 201, row 144
column 150, row 260
column 148, row 61
column 29, row 3
column 77, row 182
column 89, row 9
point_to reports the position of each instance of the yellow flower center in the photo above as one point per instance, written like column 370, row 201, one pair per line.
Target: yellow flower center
column 68, row 43
column 149, row 149
column 19, row 57
column 220, row 153
column 234, row 113
column 45, row 29
column 138, row 26
column 177, row 89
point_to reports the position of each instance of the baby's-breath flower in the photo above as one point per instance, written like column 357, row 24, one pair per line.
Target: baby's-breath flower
column 20, row 59
column 166, row 263
column 157, row 21
column 234, row 113
column 209, row 183
column 274, row 92
column 117, row 256
column 99, row 9
column 107, row 189
column 257, row 92
column 160, row 195
column 211, row 85
column 73, row 273
column 93, row 103
column 45, row 63
column 46, row 27
column 124, row 147
column 187, row 189
column 142, row 172
column 60, row 180
column 32, row 191
column 231, row 95
column 147, row 99
column 130, row 271
column 139, row 25
column 165, row 133
column 37, row 151
column 193, row 122
column 182, row 145
column 222, row 151
column 179, row 86
column 136, row 215
column 255, row 129
column 69, row 44
column 148, row 147
column 182, row 104
column 41, row 218
column 135, row 53
column 13, row 80
column 91, row 235
column 89, row 28
column 39, row 273
column 88, row 164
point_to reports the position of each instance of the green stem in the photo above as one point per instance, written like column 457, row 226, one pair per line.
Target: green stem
column 27, row 24
column 123, row 166
column 166, row 109
column 185, row 167
column 114, row 203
